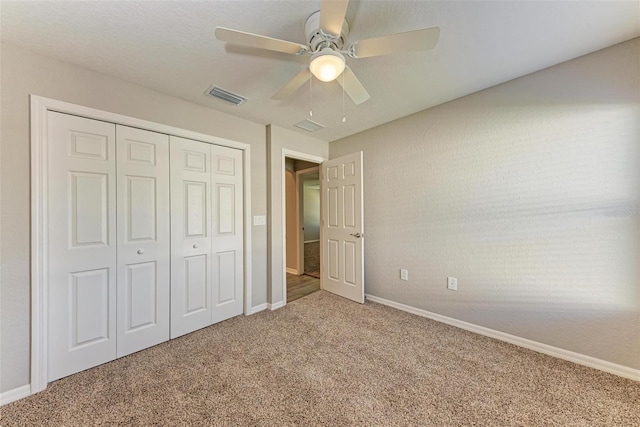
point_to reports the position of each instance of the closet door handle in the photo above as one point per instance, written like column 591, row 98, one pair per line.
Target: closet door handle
column 140, row 251
column 195, row 246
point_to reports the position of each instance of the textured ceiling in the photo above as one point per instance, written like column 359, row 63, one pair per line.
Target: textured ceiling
column 170, row 47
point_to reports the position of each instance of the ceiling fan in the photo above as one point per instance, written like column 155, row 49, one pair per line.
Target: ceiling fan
column 326, row 31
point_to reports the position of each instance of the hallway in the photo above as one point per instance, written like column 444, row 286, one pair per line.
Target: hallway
column 300, row 286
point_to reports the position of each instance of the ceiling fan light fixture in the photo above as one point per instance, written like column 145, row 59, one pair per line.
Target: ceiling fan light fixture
column 327, row 64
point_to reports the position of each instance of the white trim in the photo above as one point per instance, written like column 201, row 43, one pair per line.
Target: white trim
column 277, row 305
column 39, row 209
column 311, row 241
column 257, row 309
column 299, row 156
column 15, row 394
column 580, row 359
column 285, row 224
column 248, row 224
column 39, row 232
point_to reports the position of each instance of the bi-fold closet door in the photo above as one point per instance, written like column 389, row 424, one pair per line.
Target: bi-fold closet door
column 81, row 205
column 143, row 235
column 111, row 287
column 207, row 254
column 108, row 243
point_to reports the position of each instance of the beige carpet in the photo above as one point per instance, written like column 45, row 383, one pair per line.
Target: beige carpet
column 312, row 259
column 323, row 360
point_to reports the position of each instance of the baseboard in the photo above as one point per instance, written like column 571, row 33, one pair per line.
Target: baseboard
column 257, row 308
column 292, row 271
column 275, row 306
column 311, row 241
column 15, row 394
column 581, row 359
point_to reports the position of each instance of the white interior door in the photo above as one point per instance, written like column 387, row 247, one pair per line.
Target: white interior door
column 227, row 243
column 343, row 227
column 143, row 239
column 81, row 205
column 190, row 236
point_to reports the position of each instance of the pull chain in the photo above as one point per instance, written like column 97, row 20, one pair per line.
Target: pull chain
column 310, row 94
column 344, row 114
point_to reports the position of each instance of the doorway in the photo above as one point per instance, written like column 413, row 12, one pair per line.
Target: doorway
column 302, row 224
column 309, row 190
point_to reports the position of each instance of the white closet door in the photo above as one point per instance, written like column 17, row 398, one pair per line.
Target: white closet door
column 143, row 239
column 190, row 236
column 227, row 243
column 81, row 205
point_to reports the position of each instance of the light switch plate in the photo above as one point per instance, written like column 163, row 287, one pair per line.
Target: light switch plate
column 259, row 220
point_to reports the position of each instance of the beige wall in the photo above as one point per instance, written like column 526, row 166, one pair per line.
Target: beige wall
column 529, row 194
column 279, row 139
column 291, row 190
column 24, row 73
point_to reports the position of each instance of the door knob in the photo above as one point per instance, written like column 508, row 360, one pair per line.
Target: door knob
column 195, row 246
column 358, row 235
column 140, row 251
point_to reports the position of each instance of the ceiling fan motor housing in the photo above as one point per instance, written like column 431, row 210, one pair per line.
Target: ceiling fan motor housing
column 318, row 39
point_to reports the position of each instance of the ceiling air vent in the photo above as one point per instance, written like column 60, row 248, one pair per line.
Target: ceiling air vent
column 309, row 125
column 226, row 95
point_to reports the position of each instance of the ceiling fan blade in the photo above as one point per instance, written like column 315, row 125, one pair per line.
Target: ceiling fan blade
column 332, row 13
column 353, row 87
column 301, row 78
column 260, row 42
column 410, row 41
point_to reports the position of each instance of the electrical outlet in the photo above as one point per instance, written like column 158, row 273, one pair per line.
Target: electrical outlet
column 404, row 274
column 452, row 283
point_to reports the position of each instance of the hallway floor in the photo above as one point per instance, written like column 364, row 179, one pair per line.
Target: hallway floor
column 300, row 286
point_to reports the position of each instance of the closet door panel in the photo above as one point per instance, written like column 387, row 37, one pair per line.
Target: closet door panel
column 190, row 236
column 81, row 205
column 228, row 240
column 143, row 239
column 196, row 286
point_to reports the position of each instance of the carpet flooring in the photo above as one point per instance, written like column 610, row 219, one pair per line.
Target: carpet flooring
column 323, row 360
column 312, row 259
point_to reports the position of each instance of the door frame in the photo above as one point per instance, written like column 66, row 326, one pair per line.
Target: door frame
column 39, row 214
column 298, row 156
column 300, row 212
